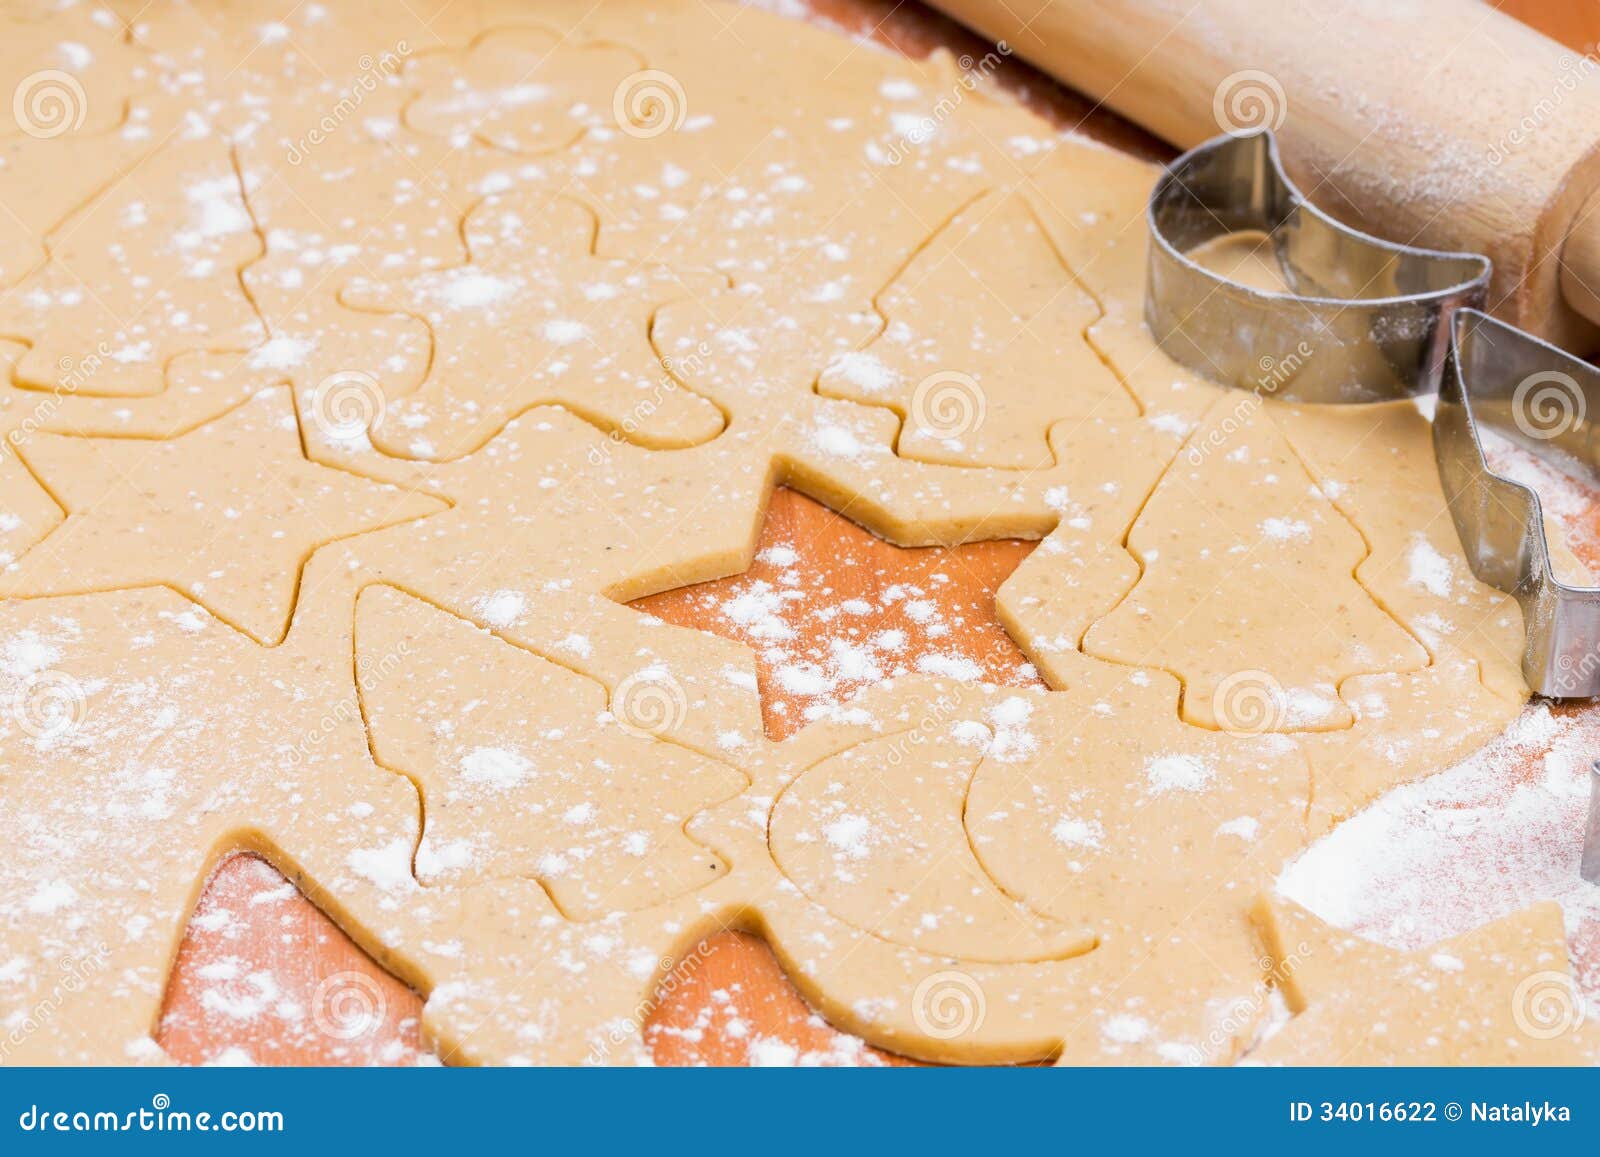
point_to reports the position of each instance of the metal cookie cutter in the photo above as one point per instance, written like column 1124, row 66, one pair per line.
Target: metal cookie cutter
column 1503, row 381
column 1364, row 320
column 1507, row 382
column 1590, row 864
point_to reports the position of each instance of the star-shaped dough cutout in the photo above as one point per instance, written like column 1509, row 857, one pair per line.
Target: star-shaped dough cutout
column 227, row 514
column 1498, row 995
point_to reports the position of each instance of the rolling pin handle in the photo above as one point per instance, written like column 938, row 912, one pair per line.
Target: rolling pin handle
column 1580, row 262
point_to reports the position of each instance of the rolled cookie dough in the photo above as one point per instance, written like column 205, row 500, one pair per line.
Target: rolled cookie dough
column 405, row 394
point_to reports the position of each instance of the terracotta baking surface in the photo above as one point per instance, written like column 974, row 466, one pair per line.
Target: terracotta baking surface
column 264, row 976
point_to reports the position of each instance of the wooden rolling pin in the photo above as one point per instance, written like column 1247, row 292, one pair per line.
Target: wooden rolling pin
column 1441, row 123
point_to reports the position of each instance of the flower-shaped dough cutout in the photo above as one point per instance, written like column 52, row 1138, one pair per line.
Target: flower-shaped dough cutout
column 534, row 317
column 523, row 771
column 524, row 90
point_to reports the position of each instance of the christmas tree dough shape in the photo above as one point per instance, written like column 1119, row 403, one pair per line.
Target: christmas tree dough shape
column 1247, row 591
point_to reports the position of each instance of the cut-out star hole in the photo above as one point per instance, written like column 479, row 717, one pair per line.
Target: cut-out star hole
column 736, row 1007
column 829, row 608
column 264, row 977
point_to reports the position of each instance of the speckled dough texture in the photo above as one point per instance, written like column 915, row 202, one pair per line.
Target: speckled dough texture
column 363, row 362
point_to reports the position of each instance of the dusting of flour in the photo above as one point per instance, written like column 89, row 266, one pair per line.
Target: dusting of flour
column 1497, row 832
